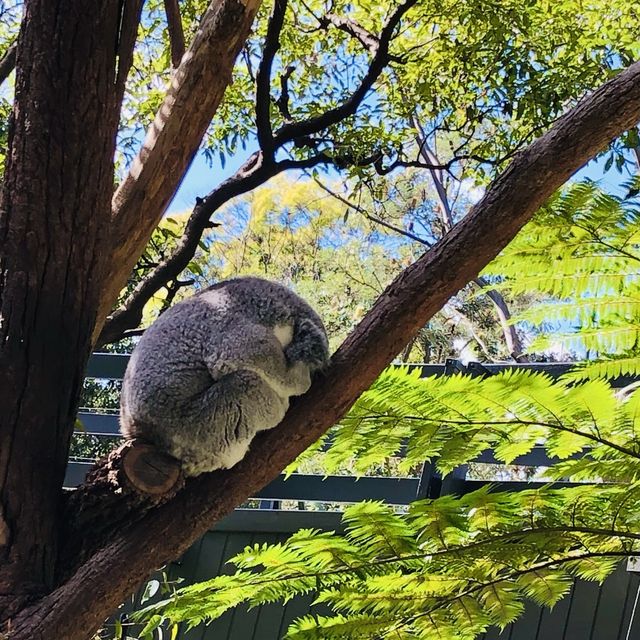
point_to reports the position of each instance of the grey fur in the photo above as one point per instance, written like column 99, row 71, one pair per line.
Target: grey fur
column 217, row 368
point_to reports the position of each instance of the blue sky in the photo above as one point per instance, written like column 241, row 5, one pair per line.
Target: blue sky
column 202, row 178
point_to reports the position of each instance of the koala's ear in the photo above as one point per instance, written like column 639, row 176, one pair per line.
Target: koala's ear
column 309, row 344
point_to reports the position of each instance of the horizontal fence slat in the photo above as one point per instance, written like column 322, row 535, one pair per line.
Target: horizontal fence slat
column 98, row 424
column 107, row 365
column 308, row 487
column 467, row 486
column 279, row 521
column 341, row 489
column 75, row 473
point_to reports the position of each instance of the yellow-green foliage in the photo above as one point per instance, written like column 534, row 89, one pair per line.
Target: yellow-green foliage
column 453, row 419
column 582, row 252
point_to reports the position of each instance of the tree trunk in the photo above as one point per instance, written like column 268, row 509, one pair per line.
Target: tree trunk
column 55, row 207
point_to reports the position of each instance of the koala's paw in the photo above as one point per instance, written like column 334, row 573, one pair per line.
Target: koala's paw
column 309, row 345
column 300, row 378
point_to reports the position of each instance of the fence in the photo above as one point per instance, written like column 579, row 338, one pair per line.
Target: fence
column 589, row 612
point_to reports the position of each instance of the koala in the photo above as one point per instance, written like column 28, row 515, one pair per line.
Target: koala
column 219, row 367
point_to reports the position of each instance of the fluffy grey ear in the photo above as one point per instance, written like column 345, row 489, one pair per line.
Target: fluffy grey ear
column 309, row 345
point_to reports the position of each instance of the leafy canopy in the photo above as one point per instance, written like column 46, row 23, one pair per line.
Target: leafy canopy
column 581, row 253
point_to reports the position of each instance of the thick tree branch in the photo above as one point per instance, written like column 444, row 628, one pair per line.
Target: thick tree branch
column 291, row 131
column 8, row 62
column 197, row 87
column 263, row 78
column 176, row 33
column 406, row 305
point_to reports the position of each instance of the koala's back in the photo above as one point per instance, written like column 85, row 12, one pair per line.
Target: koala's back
column 217, row 368
column 167, row 366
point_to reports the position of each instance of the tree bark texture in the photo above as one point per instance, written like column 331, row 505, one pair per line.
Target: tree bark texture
column 53, row 217
column 162, row 533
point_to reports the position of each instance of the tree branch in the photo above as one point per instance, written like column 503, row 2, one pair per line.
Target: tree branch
column 263, row 77
column 176, row 33
column 197, row 87
column 509, row 332
column 8, row 62
column 255, row 171
column 383, row 170
column 367, row 39
column 291, row 131
column 130, row 19
column 283, row 100
column 405, row 306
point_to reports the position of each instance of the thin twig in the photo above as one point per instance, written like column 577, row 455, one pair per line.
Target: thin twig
column 367, row 215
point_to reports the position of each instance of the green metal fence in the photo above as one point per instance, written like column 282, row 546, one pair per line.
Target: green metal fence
column 589, row 612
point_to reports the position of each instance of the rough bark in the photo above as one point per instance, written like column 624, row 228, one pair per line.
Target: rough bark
column 420, row 291
column 56, row 189
column 196, row 90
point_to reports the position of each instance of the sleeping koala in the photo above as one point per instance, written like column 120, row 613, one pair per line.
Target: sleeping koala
column 217, row 368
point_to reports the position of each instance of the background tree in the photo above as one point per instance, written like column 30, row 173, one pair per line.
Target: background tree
column 69, row 244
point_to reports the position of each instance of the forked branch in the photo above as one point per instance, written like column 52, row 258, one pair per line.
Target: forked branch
column 381, row 58
column 261, row 166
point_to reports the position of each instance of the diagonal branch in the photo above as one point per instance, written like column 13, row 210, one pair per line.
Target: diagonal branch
column 381, row 58
column 254, row 172
column 367, row 39
column 263, row 78
column 414, row 296
column 176, row 33
column 8, row 62
column 196, row 90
